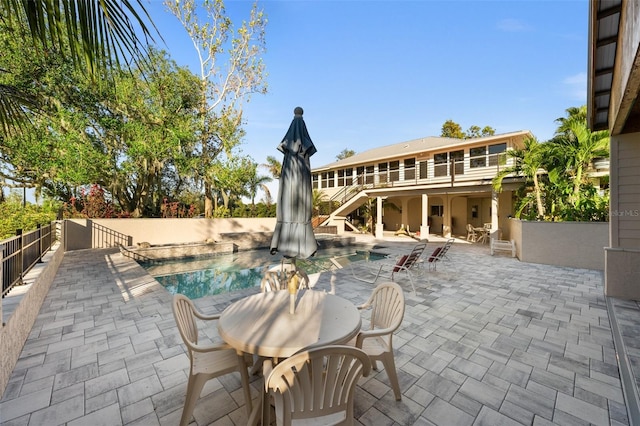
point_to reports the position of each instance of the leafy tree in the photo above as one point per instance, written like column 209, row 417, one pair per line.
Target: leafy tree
column 477, row 132
column 255, row 182
column 345, row 153
column 230, row 179
column 55, row 151
column 154, row 113
column 451, row 129
column 317, row 199
column 230, row 71
column 15, row 214
column 95, row 34
column 574, row 148
column 528, row 163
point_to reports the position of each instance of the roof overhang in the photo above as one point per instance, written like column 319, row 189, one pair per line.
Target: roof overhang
column 613, row 82
column 604, row 27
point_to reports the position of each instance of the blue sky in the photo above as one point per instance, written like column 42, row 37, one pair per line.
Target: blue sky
column 374, row 73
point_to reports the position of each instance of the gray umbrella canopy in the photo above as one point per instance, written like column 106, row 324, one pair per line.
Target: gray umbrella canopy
column 293, row 236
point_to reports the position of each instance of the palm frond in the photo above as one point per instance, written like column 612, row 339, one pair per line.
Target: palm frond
column 97, row 32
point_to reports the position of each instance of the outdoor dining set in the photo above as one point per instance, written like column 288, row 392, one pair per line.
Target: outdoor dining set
column 311, row 358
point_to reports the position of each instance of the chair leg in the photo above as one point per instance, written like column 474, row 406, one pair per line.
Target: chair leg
column 390, row 367
column 194, row 388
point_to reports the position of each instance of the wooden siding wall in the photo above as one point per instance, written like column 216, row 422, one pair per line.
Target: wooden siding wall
column 625, row 191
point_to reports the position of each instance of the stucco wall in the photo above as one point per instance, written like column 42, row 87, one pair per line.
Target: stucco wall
column 100, row 233
column 572, row 244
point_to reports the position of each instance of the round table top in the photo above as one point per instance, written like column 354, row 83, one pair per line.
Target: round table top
column 261, row 324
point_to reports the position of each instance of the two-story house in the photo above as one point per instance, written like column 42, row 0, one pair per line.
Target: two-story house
column 431, row 185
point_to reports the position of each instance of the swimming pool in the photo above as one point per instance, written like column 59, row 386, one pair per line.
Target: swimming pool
column 225, row 273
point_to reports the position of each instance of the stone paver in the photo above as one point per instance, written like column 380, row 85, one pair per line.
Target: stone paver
column 486, row 340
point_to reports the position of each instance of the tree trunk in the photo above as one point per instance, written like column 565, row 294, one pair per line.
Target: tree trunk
column 536, row 187
column 576, row 186
column 208, row 201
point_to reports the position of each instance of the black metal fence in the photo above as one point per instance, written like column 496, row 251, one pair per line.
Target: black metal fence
column 22, row 252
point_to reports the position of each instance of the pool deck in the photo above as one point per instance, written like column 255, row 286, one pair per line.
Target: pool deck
column 487, row 340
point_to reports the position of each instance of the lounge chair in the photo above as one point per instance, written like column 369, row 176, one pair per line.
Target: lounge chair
column 439, row 254
column 407, row 263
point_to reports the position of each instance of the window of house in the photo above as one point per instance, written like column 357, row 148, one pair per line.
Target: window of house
column 409, row 168
column 478, row 157
column 458, row 161
column 382, row 172
column 437, row 210
column 314, row 181
column 360, row 174
column 394, row 171
column 441, row 164
column 423, row 169
column 345, row 177
column 497, row 154
column 369, row 174
column 328, row 179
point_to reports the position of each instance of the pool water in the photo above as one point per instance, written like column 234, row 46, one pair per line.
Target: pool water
column 220, row 274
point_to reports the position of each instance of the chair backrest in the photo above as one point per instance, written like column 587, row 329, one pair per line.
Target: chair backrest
column 446, row 247
column 277, row 278
column 183, row 312
column 411, row 259
column 387, row 306
column 440, row 252
column 272, row 281
column 317, row 384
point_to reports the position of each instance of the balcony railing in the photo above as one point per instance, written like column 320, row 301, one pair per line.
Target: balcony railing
column 22, row 252
column 483, row 167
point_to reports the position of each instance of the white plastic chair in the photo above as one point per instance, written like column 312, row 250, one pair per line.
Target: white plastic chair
column 387, row 312
column 207, row 361
column 277, row 278
column 315, row 387
column 471, row 233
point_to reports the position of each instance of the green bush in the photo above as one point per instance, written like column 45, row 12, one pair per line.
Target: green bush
column 14, row 216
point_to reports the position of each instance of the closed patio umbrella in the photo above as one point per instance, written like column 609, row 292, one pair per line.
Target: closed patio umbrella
column 293, row 236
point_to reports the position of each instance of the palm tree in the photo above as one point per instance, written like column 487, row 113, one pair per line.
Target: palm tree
column 255, row 182
column 574, row 148
column 97, row 33
column 274, row 166
column 317, row 199
column 528, row 163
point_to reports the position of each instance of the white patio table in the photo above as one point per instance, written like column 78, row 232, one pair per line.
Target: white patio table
column 262, row 325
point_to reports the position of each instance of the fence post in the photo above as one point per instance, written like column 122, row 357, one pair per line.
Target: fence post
column 39, row 243
column 20, row 252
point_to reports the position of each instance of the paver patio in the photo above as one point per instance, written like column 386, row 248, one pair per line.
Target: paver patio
column 487, row 340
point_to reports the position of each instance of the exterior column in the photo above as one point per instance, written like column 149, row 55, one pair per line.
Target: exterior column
column 495, row 234
column 405, row 212
column 424, row 227
column 446, row 219
column 379, row 225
